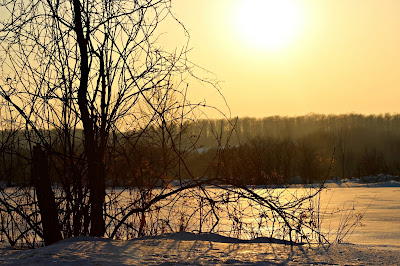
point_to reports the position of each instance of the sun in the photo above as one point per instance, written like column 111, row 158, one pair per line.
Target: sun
column 268, row 24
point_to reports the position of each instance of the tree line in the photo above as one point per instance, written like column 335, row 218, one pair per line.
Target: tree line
column 348, row 145
column 317, row 147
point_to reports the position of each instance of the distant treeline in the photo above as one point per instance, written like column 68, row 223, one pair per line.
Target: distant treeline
column 373, row 126
column 278, row 148
column 270, row 150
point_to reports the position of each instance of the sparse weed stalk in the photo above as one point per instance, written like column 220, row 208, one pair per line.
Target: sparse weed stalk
column 343, row 220
column 350, row 218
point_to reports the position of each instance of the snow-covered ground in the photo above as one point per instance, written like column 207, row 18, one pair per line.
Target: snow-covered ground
column 375, row 242
column 191, row 249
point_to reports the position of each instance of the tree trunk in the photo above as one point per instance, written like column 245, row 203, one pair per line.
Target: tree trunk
column 96, row 198
column 45, row 196
column 95, row 162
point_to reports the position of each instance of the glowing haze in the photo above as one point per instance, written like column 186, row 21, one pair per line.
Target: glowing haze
column 293, row 57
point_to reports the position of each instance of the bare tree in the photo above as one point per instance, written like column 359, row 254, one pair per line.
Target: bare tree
column 86, row 64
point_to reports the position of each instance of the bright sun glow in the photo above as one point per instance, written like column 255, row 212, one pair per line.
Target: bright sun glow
column 268, row 24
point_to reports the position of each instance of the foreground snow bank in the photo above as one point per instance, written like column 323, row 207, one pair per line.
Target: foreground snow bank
column 187, row 248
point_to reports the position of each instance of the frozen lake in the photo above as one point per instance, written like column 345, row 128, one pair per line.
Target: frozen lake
column 380, row 225
column 377, row 240
column 379, row 205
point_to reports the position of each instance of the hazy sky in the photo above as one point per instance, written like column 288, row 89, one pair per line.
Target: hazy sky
column 297, row 57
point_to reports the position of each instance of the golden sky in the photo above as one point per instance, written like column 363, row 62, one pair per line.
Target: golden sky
column 338, row 56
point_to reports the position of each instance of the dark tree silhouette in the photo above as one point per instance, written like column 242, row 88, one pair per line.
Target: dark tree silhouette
column 87, row 64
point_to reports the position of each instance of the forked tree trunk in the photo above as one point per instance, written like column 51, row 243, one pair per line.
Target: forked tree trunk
column 94, row 160
column 45, row 196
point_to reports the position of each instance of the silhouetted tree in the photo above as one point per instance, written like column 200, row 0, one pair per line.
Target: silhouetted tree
column 90, row 64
